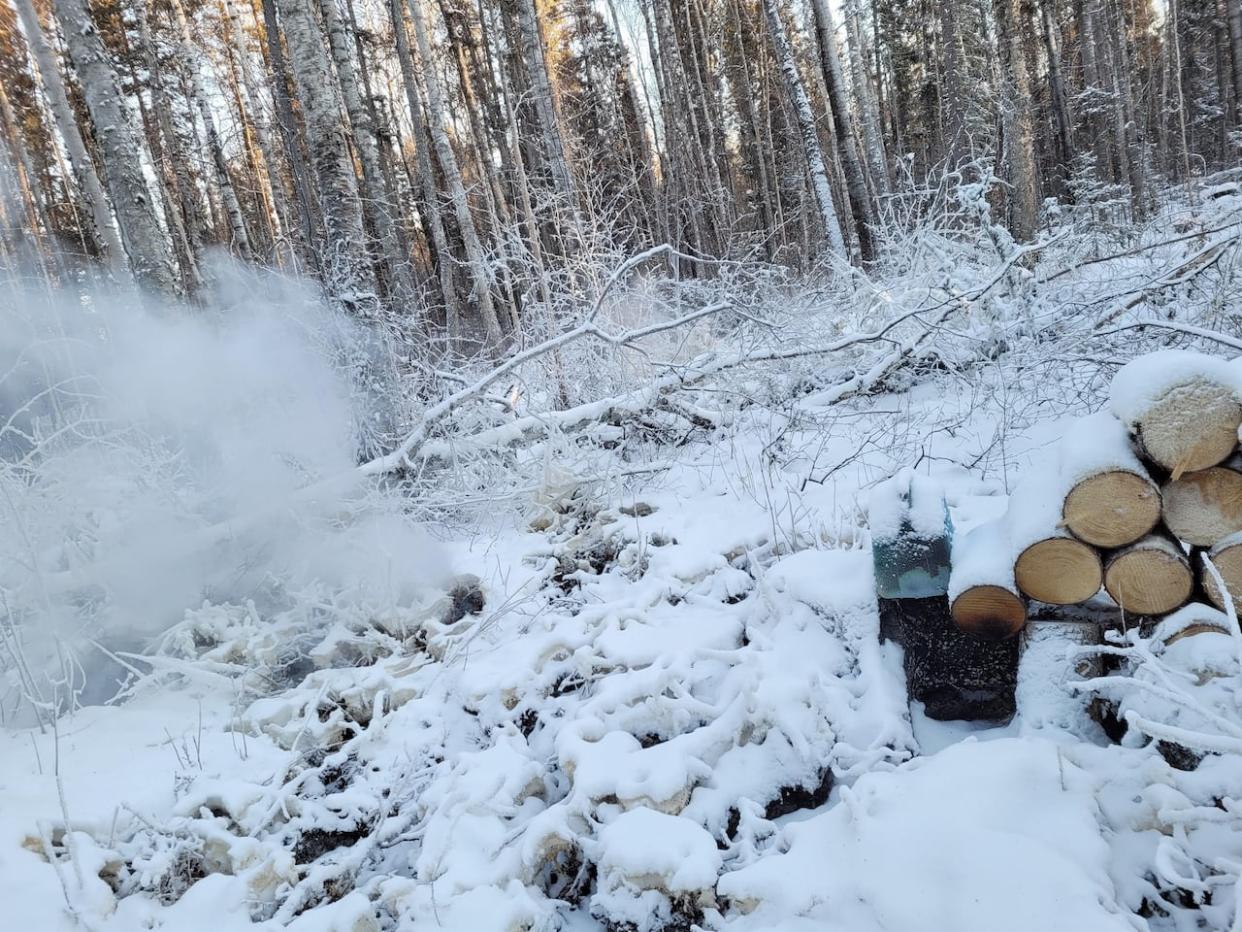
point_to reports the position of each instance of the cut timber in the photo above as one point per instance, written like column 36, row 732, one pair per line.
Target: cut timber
column 1112, row 509
column 1111, row 501
column 1227, row 558
column 1059, row 571
column 1151, row 577
column 1182, row 406
column 992, row 612
column 1204, row 507
column 983, row 597
column 1050, row 565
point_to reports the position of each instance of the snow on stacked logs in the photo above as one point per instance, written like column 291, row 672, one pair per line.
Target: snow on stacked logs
column 1130, row 500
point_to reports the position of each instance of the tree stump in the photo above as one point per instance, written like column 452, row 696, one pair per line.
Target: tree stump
column 954, row 673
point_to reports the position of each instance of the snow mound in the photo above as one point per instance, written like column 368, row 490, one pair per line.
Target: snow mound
column 982, row 830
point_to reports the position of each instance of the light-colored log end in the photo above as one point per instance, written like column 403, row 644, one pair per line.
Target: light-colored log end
column 1059, row 571
column 1111, row 509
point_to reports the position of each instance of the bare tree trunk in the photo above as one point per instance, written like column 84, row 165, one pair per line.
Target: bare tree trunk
column 479, row 269
column 812, row 149
column 228, row 194
column 308, row 207
column 834, row 82
column 1233, row 17
column 545, row 106
column 1062, row 115
column 864, row 93
column 433, row 221
column 104, row 230
column 120, row 150
column 376, row 198
column 346, row 269
column 1019, row 126
column 272, row 181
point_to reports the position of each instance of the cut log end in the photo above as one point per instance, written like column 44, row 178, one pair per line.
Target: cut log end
column 1204, row 507
column 1151, row 577
column 1228, row 561
column 1194, row 426
column 1111, row 509
column 991, row 612
column 1059, row 571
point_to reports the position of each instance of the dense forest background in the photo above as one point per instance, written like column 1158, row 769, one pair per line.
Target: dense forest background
column 458, row 166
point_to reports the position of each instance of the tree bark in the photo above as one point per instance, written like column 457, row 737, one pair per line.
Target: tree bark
column 812, row 149
column 347, row 273
column 834, row 82
column 480, row 270
column 104, row 230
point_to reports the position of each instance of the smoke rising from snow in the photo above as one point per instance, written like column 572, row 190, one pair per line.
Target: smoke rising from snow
column 152, row 458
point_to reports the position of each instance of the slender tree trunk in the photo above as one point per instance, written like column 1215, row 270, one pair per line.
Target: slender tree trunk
column 1062, row 115
column 104, row 231
column 1019, row 126
column 120, row 150
column 480, row 270
column 545, row 105
column 307, row 204
column 433, row 221
column 834, row 82
column 812, row 149
column 228, row 194
column 377, row 201
column 864, row 93
column 347, row 272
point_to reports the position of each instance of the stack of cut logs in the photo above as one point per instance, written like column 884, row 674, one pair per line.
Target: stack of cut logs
column 1135, row 499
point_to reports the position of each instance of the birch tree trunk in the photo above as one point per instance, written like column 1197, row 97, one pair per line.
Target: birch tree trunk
column 120, row 150
column 864, row 93
column 308, row 207
column 545, row 105
column 377, row 199
column 433, row 221
column 834, row 82
column 480, row 271
column 228, row 194
column 812, row 149
column 104, row 230
column 347, row 273
column 259, row 121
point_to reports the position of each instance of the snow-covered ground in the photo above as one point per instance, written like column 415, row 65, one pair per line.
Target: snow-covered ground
column 628, row 679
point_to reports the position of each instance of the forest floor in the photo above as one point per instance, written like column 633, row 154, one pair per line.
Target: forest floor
column 648, row 692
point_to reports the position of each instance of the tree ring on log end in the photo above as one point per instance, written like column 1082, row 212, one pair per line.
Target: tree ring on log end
column 1204, row 507
column 1192, row 427
column 990, row 612
column 1149, row 580
column 1111, row 509
column 1059, row 571
column 1228, row 561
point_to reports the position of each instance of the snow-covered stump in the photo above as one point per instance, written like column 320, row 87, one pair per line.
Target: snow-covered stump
column 1150, row 577
column 1182, row 408
column 955, row 673
column 1051, row 566
column 1226, row 556
column 1204, row 507
column 1111, row 501
column 1053, row 660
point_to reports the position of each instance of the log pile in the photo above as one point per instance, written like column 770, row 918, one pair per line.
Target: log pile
column 1135, row 499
